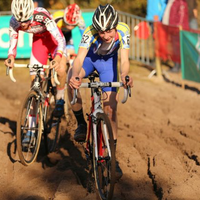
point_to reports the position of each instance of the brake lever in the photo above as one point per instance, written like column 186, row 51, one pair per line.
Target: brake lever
column 74, row 100
column 128, row 87
column 7, row 69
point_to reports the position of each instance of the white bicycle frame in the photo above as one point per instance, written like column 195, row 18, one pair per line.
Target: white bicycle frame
column 98, row 108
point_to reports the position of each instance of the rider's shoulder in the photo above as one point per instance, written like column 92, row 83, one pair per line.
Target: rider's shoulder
column 121, row 26
column 90, row 31
column 81, row 23
column 14, row 23
column 58, row 17
column 58, row 14
column 41, row 10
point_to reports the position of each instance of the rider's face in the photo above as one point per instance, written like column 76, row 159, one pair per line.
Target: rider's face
column 70, row 27
column 107, row 36
column 25, row 25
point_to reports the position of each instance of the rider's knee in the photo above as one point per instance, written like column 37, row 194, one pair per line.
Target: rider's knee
column 111, row 111
column 62, row 71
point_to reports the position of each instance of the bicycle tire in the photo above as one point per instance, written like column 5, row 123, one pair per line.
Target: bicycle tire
column 27, row 155
column 104, row 166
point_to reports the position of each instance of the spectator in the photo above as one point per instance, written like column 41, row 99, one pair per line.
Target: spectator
column 193, row 13
column 38, row 3
column 165, row 19
column 155, row 9
column 179, row 14
column 178, row 17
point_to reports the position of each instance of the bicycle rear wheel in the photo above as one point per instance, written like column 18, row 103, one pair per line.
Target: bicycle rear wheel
column 104, row 161
column 27, row 154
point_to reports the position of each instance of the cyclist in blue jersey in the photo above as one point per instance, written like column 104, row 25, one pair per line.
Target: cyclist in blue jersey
column 98, row 51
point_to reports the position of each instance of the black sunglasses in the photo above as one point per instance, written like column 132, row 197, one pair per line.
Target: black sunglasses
column 24, row 21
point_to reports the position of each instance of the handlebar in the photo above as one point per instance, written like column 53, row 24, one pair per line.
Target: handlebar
column 127, row 91
column 9, row 71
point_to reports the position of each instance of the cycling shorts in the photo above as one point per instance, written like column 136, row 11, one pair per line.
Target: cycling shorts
column 106, row 66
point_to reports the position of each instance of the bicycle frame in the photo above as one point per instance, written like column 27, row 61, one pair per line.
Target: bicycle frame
column 100, row 145
column 37, row 86
column 96, row 108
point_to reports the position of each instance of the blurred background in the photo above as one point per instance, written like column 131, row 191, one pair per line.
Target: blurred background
column 136, row 7
column 160, row 33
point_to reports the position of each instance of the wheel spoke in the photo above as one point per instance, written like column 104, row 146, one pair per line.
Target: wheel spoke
column 29, row 153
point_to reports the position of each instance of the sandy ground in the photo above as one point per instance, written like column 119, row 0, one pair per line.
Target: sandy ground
column 158, row 145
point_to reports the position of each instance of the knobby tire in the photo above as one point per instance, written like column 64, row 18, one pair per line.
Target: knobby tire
column 27, row 155
column 104, row 168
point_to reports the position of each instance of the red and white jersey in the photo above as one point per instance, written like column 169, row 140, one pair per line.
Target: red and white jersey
column 41, row 25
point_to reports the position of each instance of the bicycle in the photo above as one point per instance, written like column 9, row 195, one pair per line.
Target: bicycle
column 41, row 97
column 99, row 145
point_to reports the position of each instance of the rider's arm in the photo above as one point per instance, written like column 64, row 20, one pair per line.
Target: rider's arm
column 84, row 47
column 78, row 62
column 58, row 36
column 125, row 65
column 51, row 26
column 13, row 34
column 125, row 46
column 81, row 25
column 76, row 69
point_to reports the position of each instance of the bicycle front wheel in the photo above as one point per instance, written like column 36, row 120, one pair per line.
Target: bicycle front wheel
column 28, row 153
column 104, row 158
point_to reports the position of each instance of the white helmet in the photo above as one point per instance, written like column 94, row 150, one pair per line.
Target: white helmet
column 22, row 9
column 105, row 18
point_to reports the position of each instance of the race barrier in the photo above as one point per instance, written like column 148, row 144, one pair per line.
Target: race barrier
column 190, row 55
column 167, row 45
column 180, row 46
column 141, row 40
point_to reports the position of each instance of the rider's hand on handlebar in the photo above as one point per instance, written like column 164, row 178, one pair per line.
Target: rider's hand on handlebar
column 129, row 83
column 9, row 62
column 75, row 82
column 55, row 63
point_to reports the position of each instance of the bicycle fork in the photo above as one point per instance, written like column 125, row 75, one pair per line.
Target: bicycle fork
column 100, row 136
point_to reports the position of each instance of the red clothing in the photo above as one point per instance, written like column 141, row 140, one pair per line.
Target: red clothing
column 47, row 37
column 179, row 14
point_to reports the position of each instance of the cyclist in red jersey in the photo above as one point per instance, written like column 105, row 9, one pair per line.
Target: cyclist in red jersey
column 47, row 38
